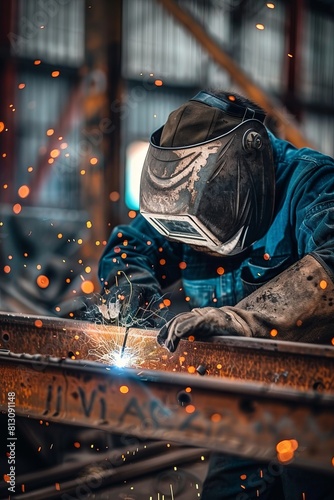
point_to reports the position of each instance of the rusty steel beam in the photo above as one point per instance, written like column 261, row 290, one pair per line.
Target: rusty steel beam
column 253, row 91
column 288, row 364
column 248, row 419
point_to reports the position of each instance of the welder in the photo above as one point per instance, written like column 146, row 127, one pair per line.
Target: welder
column 246, row 221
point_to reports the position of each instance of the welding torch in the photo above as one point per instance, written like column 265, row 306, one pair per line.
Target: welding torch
column 125, row 340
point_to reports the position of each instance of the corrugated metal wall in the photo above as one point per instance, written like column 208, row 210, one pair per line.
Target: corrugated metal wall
column 52, row 34
column 51, row 31
column 155, row 46
column 317, row 82
column 262, row 51
column 153, row 42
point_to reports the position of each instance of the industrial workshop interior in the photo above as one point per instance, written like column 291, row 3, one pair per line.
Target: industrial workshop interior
column 91, row 407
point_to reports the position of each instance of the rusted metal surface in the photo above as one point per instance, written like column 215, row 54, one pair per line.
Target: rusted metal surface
column 295, row 365
column 248, row 419
column 255, row 393
column 243, row 418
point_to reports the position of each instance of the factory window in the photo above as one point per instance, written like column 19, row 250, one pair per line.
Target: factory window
column 135, row 156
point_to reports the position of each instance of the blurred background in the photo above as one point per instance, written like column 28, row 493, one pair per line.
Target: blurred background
column 84, row 84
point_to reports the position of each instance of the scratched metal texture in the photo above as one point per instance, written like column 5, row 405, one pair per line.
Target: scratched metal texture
column 295, row 365
column 238, row 417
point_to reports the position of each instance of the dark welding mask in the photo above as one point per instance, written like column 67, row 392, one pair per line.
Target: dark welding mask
column 216, row 195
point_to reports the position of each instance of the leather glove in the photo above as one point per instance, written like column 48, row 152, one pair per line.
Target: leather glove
column 296, row 305
column 133, row 305
column 131, row 298
column 202, row 323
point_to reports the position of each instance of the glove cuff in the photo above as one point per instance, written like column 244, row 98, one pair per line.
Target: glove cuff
column 296, row 305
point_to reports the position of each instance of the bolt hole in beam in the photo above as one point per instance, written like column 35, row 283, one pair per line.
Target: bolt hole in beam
column 247, row 406
column 183, row 398
column 5, row 337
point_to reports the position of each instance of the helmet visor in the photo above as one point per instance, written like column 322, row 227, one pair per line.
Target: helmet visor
column 217, row 194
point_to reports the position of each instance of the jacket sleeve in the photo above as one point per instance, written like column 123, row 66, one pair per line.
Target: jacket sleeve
column 139, row 253
column 313, row 214
column 299, row 303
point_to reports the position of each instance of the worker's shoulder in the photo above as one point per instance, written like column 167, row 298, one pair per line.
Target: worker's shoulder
column 285, row 152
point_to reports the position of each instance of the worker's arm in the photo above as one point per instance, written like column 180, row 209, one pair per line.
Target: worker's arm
column 298, row 304
column 136, row 264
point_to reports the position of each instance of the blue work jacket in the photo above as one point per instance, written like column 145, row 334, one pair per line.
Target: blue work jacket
column 303, row 223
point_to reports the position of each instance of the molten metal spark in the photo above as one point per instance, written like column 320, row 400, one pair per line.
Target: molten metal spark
column 118, row 348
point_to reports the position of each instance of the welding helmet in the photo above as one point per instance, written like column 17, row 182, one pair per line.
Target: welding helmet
column 208, row 176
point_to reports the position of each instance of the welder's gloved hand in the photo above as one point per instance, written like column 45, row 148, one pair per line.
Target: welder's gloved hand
column 202, row 323
column 133, row 305
column 297, row 305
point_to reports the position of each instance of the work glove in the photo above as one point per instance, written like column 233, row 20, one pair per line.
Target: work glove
column 296, row 305
column 133, row 305
column 132, row 298
column 202, row 323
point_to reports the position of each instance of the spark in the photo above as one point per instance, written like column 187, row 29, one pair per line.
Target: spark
column 54, row 153
column 323, row 284
column 17, row 208
column 111, row 349
column 42, row 281
column 120, row 348
column 114, row 196
column 23, row 191
column 87, row 286
column 122, row 359
column 116, row 355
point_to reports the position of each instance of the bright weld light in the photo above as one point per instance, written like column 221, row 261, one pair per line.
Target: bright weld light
column 121, row 360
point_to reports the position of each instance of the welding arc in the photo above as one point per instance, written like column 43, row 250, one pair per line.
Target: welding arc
column 125, row 340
